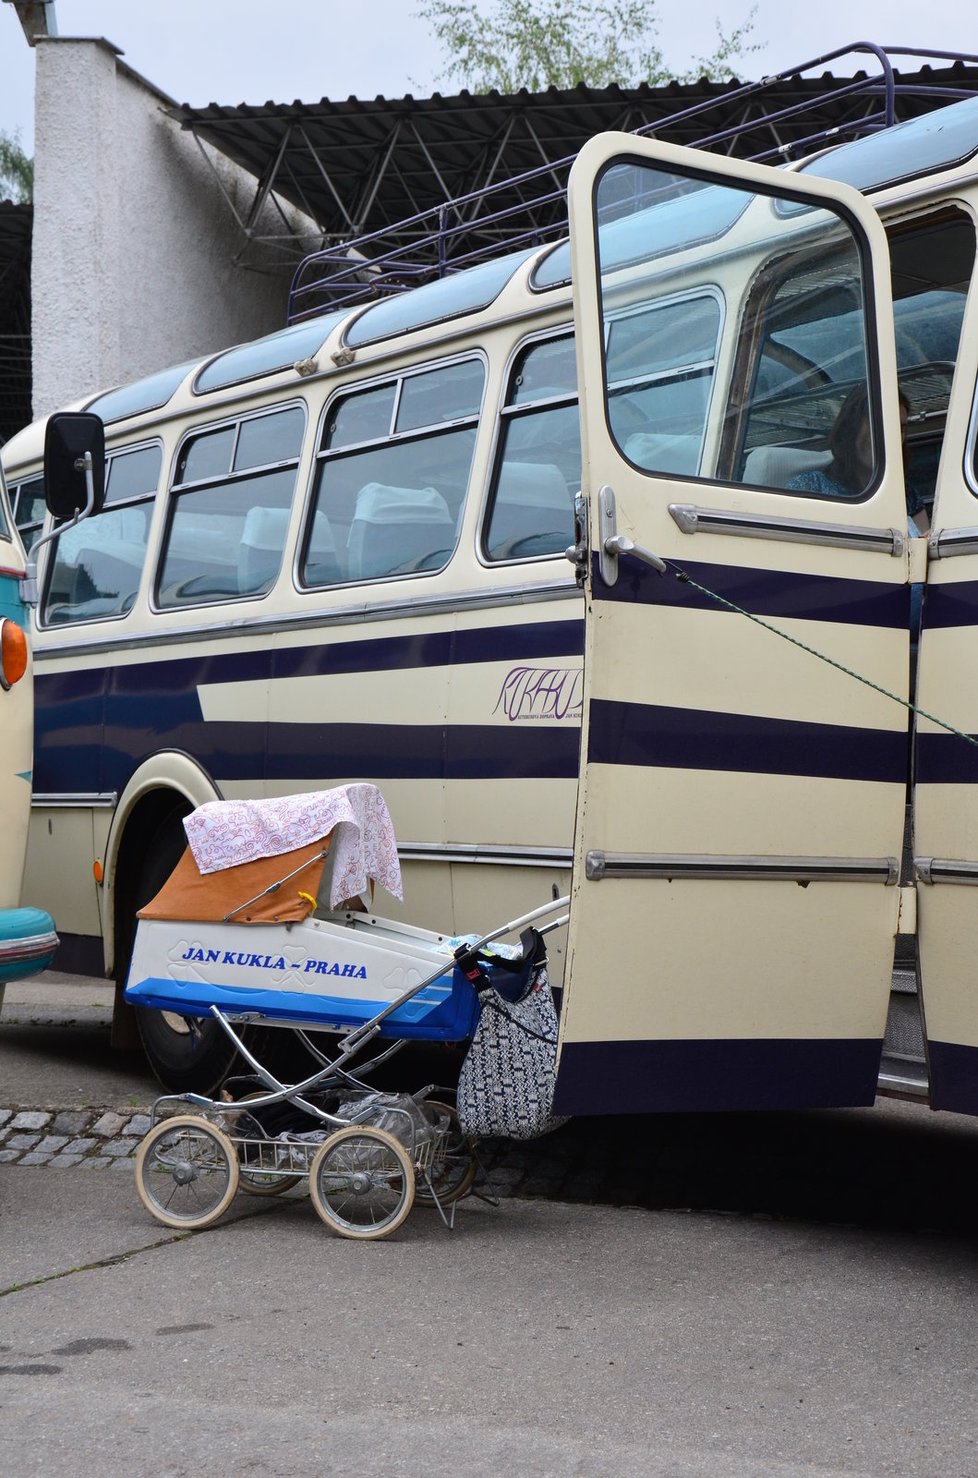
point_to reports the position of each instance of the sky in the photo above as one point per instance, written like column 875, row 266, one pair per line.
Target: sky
column 233, row 51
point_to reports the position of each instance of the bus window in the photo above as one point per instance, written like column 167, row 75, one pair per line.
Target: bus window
column 28, row 506
column 392, row 472
column 97, row 565
column 811, row 360
column 804, row 331
column 538, row 467
column 932, row 261
column 229, row 510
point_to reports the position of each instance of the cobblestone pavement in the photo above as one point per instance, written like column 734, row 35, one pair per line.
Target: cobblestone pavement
column 94, row 1139
column 893, row 1166
column 105, row 1138
column 604, row 1161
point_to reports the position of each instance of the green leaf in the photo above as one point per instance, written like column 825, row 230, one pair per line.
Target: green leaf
column 536, row 44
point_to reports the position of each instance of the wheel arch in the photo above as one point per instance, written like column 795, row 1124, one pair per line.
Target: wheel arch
column 170, row 783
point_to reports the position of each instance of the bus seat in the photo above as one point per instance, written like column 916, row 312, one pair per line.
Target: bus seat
column 658, row 451
column 260, row 550
column 533, row 512
column 394, row 530
column 775, row 466
column 263, row 540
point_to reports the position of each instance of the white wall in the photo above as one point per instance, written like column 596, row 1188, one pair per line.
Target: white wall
column 133, row 239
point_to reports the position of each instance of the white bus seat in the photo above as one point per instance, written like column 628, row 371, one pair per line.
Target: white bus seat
column 533, row 512
column 658, row 451
column 260, row 551
column 395, row 529
column 775, row 466
column 263, row 540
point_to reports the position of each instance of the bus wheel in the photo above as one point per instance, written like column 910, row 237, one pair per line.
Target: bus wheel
column 187, row 1055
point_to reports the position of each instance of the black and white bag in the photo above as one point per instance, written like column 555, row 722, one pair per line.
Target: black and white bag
column 506, row 1085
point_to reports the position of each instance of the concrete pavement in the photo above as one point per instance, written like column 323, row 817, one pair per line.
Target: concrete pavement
column 535, row 1339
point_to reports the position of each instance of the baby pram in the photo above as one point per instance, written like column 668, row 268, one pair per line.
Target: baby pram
column 263, row 922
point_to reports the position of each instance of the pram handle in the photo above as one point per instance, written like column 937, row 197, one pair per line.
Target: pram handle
column 527, row 918
column 555, row 924
column 469, row 959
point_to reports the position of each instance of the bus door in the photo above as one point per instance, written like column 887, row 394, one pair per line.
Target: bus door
column 741, row 802
column 946, row 763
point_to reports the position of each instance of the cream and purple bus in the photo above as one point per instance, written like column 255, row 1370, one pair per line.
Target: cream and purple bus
column 341, row 552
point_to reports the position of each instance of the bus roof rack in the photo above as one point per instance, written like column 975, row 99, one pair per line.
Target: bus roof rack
column 796, row 114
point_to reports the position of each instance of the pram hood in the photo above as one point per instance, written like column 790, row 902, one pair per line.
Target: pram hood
column 234, row 844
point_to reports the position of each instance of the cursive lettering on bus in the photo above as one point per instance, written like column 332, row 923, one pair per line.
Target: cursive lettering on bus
column 529, row 693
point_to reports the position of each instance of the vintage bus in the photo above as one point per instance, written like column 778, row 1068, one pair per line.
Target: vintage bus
column 27, row 938
column 341, row 552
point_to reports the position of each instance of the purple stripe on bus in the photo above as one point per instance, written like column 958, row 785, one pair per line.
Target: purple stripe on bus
column 954, row 1076
column 697, row 739
column 784, row 594
column 692, row 1076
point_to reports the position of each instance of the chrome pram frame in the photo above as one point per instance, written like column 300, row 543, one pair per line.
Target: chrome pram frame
column 365, row 1169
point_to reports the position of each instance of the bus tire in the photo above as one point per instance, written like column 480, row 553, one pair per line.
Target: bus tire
column 186, row 1054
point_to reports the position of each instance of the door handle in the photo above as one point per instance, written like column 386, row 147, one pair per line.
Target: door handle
column 611, row 544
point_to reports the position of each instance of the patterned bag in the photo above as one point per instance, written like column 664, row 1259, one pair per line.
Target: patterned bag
column 506, row 1085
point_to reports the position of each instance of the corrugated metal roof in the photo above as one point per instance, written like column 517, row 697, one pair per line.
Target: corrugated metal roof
column 357, row 165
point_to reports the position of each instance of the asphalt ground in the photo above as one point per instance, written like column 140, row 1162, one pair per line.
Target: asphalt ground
column 534, row 1339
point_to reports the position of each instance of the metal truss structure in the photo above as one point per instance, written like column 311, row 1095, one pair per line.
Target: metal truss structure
column 390, row 175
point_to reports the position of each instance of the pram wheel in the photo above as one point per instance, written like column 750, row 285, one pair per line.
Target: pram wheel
column 186, row 1172
column 362, row 1182
column 453, row 1173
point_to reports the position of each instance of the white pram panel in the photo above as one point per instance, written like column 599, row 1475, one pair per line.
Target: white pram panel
column 325, row 974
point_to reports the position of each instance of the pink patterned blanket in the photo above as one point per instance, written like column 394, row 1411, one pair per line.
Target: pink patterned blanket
column 225, row 833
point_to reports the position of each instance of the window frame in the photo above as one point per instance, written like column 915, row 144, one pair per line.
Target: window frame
column 134, row 501
column 320, row 457
column 175, row 490
column 507, row 411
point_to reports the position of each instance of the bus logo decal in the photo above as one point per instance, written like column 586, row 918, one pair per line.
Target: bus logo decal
column 534, row 693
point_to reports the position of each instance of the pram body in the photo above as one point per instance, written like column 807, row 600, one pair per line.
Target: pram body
column 325, row 974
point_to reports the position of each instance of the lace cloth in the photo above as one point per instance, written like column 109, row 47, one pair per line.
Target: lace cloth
column 363, row 847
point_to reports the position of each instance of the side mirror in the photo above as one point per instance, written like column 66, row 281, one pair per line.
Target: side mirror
column 74, row 447
column 74, row 481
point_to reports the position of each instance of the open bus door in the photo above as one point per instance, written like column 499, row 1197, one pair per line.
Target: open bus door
column 741, row 803
column 946, row 763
